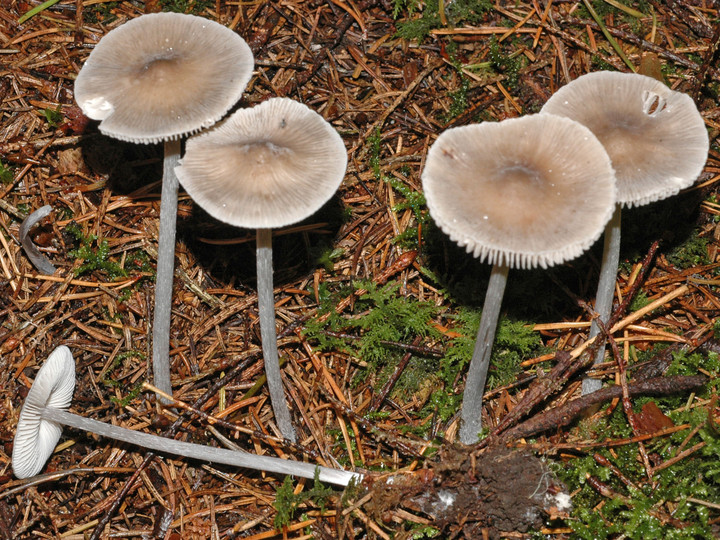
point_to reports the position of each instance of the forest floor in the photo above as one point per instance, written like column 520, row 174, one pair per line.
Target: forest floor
column 376, row 309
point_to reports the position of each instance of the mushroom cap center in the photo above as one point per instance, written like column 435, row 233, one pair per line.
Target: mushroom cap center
column 161, row 71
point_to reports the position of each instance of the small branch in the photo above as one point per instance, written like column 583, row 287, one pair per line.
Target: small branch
column 561, row 416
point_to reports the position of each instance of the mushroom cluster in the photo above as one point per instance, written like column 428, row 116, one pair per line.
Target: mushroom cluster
column 163, row 76
column 658, row 145
column 158, row 78
column 539, row 190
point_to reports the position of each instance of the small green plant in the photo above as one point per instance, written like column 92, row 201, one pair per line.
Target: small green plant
column 94, row 257
column 54, row 117
column 287, row 502
column 326, row 256
column 6, row 174
column 515, row 341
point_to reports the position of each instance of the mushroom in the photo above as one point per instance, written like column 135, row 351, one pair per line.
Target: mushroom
column 265, row 167
column 525, row 192
column 45, row 411
column 158, row 78
column 658, row 145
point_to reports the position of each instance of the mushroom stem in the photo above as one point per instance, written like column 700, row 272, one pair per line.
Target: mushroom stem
column 471, row 415
column 605, row 291
column 165, row 269
column 268, row 335
column 201, row 452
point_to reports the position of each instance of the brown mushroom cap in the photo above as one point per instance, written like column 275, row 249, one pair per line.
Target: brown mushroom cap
column 525, row 192
column 265, row 167
column 655, row 136
column 164, row 75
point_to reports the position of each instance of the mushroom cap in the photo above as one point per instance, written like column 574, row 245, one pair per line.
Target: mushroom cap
column 655, row 136
column 269, row 166
column 35, row 438
column 525, row 192
column 162, row 76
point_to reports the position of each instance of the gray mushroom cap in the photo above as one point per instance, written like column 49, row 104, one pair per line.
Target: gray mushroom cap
column 525, row 192
column 265, row 167
column 162, row 76
column 655, row 136
column 36, row 437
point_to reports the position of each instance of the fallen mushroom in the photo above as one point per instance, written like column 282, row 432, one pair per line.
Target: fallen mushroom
column 44, row 412
column 658, row 145
column 156, row 78
column 266, row 167
column 33, row 253
column 525, row 192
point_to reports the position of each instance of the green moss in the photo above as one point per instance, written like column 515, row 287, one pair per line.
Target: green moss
column 598, row 63
column 287, row 502
column 457, row 13
column 95, row 257
column 382, row 316
column 193, row 7
column 414, row 201
column 638, row 511
column 459, row 101
column 692, row 252
column 515, row 341
column 6, row 174
column 100, row 13
column 507, row 62
column 639, row 301
column 139, row 261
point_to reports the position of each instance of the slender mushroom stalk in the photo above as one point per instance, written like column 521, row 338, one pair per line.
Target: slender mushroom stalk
column 480, row 362
column 268, row 335
column 605, row 291
column 44, row 412
column 270, row 166
column 525, row 192
column 158, row 78
column 658, row 145
column 165, row 268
